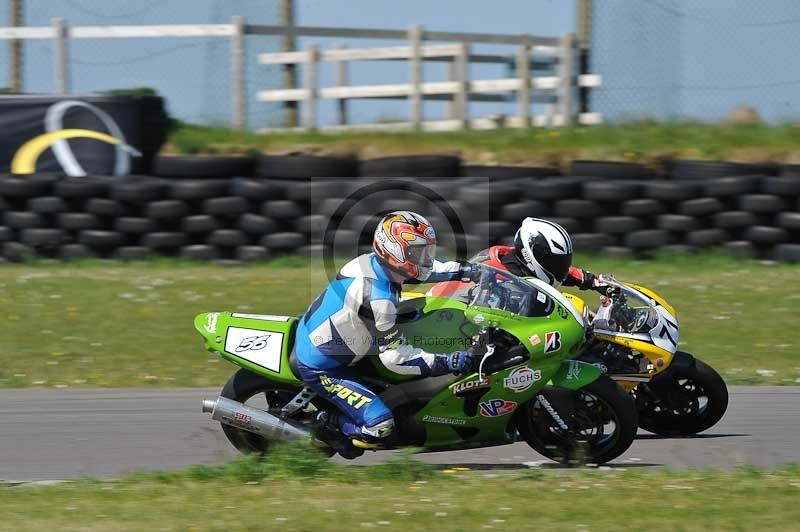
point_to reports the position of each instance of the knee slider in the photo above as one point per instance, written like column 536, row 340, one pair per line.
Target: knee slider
column 379, row 430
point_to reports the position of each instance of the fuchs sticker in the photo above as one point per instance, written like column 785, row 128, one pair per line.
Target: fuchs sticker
column 262, row 348
column 521, row 379
column 444, row 420
column 463, row 387
column 552, row 342
column 497, row 407
column 262, row 317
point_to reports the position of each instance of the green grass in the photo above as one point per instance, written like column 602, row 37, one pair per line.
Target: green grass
column 296, row 491
column 100, row 324
column 644, row 142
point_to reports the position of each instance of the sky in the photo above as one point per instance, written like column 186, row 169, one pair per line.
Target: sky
column 658, row 58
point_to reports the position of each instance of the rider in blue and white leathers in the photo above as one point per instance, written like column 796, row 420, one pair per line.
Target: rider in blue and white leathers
column 355, row 317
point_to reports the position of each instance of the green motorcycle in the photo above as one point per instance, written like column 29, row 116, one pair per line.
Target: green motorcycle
column 524, row 334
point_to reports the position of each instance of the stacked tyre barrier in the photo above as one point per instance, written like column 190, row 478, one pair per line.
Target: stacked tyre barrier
column 252, row 208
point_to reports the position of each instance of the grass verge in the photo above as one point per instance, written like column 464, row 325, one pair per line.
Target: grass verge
column 99, row 324
column 295, row 489
column 641, row 142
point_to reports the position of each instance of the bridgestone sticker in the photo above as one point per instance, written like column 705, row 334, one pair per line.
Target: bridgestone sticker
column 262, row 348
column 262, row 317
column 444, row 420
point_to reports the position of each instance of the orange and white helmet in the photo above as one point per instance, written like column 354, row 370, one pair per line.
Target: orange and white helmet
column 406, row 243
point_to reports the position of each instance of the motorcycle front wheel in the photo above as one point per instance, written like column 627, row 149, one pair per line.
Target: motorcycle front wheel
column 682, row 401
column 591, row 425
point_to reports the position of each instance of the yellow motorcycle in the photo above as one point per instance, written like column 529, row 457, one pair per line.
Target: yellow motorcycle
column 634, row 338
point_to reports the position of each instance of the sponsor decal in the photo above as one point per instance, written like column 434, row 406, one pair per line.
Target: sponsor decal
column 478, row 318
column 534, row 340
column 550, row 410
column 552, row 342
column 24, row 161
column 462, row 387
column 262, row 348
column 497, row 407
column 242, row 418
column 211, row 322
column 541, row 297
column 521, row 379
column 262, row 317
column 444, row 420
column 253, row 343
column 562, row 312
column 353, row 398
column 574, row 371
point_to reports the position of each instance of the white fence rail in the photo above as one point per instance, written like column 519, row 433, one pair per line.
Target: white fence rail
column 558, row 92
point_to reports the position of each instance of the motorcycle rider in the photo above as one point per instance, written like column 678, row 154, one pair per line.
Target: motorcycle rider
column 356, row 316
column 541, row 249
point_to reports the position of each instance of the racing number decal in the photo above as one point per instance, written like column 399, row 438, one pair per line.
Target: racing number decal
column 253, row 343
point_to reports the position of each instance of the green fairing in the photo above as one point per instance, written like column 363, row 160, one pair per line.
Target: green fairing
column 215, row 338
column 574, row 374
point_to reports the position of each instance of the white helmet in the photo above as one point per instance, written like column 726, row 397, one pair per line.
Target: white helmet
column 545, row 248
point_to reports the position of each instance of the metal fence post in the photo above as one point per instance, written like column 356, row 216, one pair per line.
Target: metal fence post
column 238, row 75
column 341, row 81
column 524, row 92
column 461, row 62
column 60, row 57
column 415, row 74
column 310, row 103
column 567, row 75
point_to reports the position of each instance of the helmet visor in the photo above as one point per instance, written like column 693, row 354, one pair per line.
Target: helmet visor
column 556, row 265
column 422, row 255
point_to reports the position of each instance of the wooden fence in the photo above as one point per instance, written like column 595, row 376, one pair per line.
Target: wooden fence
column 558, row 92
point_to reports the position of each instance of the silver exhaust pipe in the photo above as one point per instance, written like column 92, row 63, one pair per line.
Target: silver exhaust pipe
column 253, row 420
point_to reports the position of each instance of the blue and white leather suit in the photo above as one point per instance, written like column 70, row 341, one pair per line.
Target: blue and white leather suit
column 355, row 317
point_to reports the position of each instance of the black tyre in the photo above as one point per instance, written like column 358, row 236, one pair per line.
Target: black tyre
column 706, row 237
column 226, row 206
column 23, row 220
column 591, row 241
column 138, row 189
column 676, row 222
column 100, row 239
column 27, row 186
column 761, row 203
column 255, row 189
column 617, row 225
column 283, row 242
column 258, row 392
column 642, row 207
column 734, row 219
column 692, row 169
column 228, row 238
column 106, row 207
column 199, row 223
column 782, row 186
column 701, row 207
column 740, row 249
column 682, row 401
column 164, row 240
column 198, row 189
column 577, row 208
column 83, row 187
column 135, row 225
column 614, row 191
column 251, row 253
column 282, row 210
column 412, row 166
column 305, row 167
column 203, row 166
column 788, row 253
column 672, row 190
column 166, row 209
column 732, row 185
column 508, row 172
column 42, row 238
column 763, row 234
column 647, row 239
column 132, row 253
column 516, row 212
column 199, row 252
column 601, row 420
column 254, row 224
column 608, row 169
column 47, row 205
column 555, row 188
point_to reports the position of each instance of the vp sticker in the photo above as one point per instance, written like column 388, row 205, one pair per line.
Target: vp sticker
column 262, row 348
column 497, row 407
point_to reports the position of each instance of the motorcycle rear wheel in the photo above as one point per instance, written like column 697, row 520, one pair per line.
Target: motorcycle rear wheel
column 683, row 401
column 602, row 425
column 244, row 385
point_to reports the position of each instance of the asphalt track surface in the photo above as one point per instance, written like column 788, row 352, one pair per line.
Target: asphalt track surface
column 72, row 433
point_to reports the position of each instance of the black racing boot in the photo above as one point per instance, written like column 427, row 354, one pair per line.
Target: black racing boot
column 326, row 430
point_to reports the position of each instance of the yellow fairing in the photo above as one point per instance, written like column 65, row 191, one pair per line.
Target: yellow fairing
column 658, row 299
column 577, row 302
column 652, row 352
